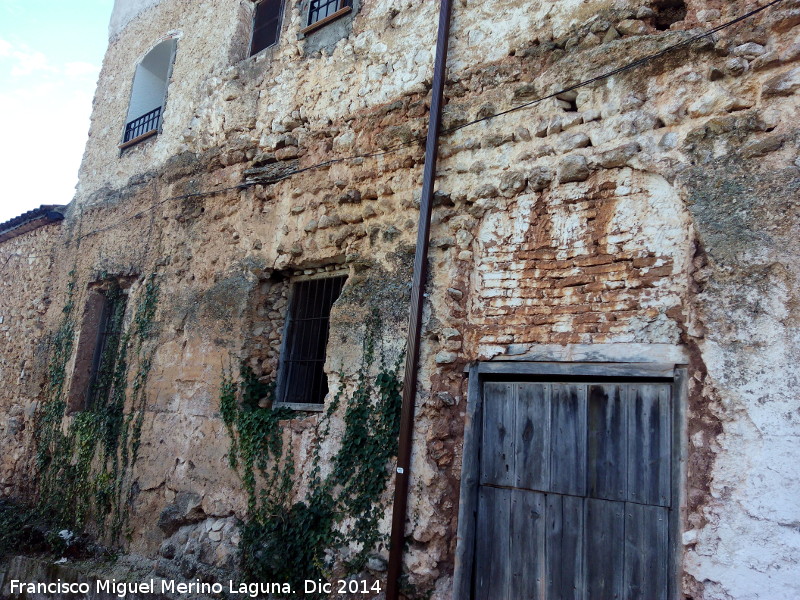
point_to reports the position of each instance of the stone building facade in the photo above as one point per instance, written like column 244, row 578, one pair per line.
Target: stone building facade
column 646, row 218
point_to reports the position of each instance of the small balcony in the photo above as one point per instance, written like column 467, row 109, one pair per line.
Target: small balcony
column 142, row 128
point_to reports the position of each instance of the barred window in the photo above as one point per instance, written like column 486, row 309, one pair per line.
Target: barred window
column 266, row 25
column 301, row 379
column 324, row 9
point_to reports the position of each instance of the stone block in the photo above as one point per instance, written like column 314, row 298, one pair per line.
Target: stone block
column 512, row 183
column 539, row 178
column 185, row 510
column 736, row 66
column 619, row 156
column 750, row 50
column 758, row 148
column 446, row 358
column 610, row 35
column 632, row 27
column 568, row 143
column 573, row 168
column 784, row 84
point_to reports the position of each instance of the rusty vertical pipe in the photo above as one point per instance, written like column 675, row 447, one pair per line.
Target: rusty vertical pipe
column 397, row 541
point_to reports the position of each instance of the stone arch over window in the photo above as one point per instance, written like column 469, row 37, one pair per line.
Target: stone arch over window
column 149, row 93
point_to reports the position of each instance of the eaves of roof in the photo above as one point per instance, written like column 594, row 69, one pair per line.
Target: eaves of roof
column 33, row 219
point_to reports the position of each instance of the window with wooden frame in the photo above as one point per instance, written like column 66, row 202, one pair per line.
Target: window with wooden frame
column 98, row 347
column 321, row 12
column 302, row 383
column 266, row 25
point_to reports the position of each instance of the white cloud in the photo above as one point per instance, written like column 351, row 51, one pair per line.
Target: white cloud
column 44, row 115
column 28, row 63
column 45, row 128
column 23, row 61
column 79, row 69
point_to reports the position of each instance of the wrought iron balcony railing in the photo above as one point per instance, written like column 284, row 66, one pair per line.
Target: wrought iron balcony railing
column 145, row 124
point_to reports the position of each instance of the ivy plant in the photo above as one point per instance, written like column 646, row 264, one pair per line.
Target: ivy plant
column 291, row 541
column 82, row 468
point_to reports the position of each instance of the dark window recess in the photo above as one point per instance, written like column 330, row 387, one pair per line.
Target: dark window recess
column 148, row 122
column 321, row 9
column 302, row 377
column 107, row 348
column 266, row 25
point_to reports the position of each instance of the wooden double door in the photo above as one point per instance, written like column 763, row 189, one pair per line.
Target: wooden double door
column 574, row 491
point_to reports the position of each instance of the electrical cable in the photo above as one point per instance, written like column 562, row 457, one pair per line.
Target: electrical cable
column 628, row 67
column 392, row 149
column 153, row 206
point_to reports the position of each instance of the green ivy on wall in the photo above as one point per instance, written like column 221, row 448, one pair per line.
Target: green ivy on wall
column 291, row 541
column 83, row 466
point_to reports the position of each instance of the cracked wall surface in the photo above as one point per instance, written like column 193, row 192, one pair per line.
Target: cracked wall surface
column 653, row 209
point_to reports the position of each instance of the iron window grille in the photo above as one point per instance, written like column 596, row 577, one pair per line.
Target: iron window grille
column 266, row 25
column 322, row 9
column 109, row 336
column 301, row 380
column 145, row 124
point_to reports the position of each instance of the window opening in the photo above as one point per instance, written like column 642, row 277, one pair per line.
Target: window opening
column 302, row 379
column 98, row 347
column 149, row 93
column 323, row 9
column 107, row 347
column 266, row 25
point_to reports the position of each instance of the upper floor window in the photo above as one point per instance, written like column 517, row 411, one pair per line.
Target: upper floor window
column 266, row 25
column 301, row 378
column 324, row 11
column 149, row 93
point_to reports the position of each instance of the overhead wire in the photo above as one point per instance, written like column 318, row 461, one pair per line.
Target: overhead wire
column 617, row 71
column 392, row 149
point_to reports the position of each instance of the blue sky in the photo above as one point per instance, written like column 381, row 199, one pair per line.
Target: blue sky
column 50, row 57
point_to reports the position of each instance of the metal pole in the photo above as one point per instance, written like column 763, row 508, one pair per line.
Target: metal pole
column 397, row 541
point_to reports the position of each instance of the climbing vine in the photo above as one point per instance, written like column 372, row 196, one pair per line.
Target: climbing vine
column 83, row 465
column 293, row 541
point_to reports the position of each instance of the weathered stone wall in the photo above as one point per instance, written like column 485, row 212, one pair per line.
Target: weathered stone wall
column 591, row 219
column 26, row 276
column 656, row 207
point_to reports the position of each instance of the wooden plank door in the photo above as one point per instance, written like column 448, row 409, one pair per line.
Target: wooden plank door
column 574, row 492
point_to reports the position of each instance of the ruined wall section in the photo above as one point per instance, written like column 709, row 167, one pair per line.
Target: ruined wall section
column 222, row 261
column 219, row 98
column 27, row 264
column 746, row 295
column 591, row 263
column 592, row 218
column 197, row 53
column 124, row 11
column 576, row 221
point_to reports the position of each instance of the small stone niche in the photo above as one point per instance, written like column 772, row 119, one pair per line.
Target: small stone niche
column 668, row 12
